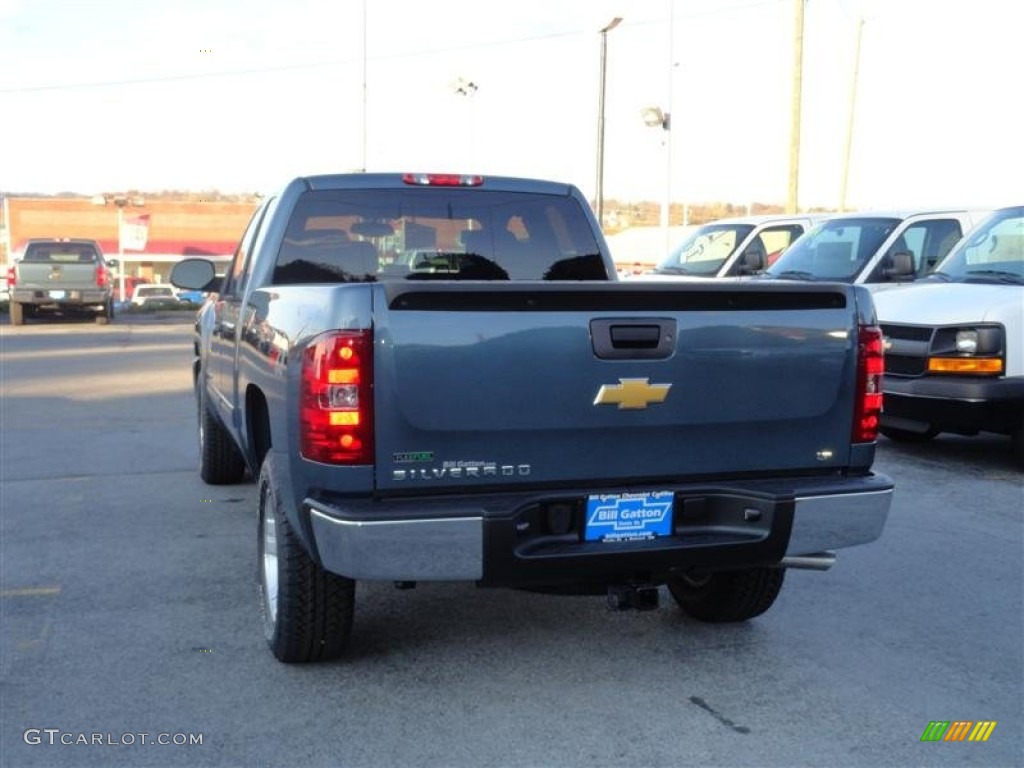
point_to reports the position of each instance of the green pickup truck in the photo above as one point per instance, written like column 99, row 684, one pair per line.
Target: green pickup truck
column 63, row 275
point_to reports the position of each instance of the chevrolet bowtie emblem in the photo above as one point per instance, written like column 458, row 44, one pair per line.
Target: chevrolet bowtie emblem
column 632, row 393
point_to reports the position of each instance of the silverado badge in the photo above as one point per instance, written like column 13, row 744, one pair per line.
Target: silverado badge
column 632, row 393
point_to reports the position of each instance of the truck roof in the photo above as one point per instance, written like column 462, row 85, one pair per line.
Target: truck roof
column 400, row 180
column 767, row 218
column 902, row 213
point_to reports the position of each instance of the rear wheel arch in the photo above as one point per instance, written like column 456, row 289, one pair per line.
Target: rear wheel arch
column 257, row 417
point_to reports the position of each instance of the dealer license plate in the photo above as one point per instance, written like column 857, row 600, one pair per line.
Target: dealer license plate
column 628, row 516
column 57, row 294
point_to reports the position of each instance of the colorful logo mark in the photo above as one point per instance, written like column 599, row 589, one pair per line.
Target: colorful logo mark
column 958, row 730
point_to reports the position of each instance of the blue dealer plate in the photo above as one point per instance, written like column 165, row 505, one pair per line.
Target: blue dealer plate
column 628, row 516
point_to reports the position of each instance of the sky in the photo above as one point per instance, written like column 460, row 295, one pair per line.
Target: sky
column 243, row 95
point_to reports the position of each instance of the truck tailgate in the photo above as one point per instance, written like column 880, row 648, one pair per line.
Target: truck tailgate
column 45, row 276
column 513, row 384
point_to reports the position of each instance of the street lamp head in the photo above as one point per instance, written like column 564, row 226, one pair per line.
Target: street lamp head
column 653, row 117
column 611, row 25
column 464, row 87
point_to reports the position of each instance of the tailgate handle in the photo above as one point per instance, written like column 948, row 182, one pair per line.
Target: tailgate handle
column 633, row 338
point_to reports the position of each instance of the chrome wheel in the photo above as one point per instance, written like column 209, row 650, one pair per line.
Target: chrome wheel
column 268, row 561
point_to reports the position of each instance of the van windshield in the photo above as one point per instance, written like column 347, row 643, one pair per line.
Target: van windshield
column 993, row 252
column 705, row 250
column 834, row 250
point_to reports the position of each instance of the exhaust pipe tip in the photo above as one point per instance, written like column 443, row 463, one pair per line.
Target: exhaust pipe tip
column 819, row 561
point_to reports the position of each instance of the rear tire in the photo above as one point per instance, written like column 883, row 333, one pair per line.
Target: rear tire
column 307, row 611
column 17, row 313
column 1018, row 445
column 220, row 461
column 727, row 596
column 106, row 314
column 906, row 436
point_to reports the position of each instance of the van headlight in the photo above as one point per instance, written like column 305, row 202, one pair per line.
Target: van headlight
column 967, row 342
column 976, row 350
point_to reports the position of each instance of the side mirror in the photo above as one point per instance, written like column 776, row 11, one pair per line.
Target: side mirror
column 901, row 265
column 195, row 275
column 113, row 263
column 753, row 260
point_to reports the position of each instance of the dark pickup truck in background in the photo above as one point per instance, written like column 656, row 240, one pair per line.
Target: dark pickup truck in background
column 514, row 416
column 64, row 275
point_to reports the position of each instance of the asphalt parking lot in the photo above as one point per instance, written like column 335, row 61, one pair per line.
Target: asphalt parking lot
column 128, row 606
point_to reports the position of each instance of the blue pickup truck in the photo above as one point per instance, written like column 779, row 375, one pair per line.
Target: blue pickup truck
column 499, row 409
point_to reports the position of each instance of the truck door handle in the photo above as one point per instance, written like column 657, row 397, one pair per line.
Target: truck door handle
column 633, row 338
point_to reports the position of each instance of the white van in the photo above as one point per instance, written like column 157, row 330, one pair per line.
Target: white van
column 879, row 249
column 954, row 342
column 733, row 247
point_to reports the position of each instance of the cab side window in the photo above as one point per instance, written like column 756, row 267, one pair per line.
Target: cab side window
column 777, row 239
column 918, row 249
column 234, row 281
column 942, row 235
column 764, row 249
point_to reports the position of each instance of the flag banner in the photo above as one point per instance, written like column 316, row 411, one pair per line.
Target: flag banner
column 134, row 232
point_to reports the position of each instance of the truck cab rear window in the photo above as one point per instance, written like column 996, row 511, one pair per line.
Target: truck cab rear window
column 60, row 253
column 436, row 234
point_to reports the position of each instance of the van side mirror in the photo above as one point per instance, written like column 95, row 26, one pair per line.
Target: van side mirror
column 753, row 261
column 901, row 265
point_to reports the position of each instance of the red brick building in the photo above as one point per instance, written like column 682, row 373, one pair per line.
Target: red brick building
column 172, row 229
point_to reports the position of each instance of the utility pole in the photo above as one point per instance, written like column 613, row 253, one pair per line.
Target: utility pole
column 853, row 108
column 794, row 126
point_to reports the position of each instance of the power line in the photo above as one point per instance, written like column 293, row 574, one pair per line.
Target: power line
column 185, row 77
column 279, row 68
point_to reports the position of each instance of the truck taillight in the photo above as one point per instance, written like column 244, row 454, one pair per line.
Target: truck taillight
column 870, row 367
column 101, row 276
column 12, row 276
column 336, row 418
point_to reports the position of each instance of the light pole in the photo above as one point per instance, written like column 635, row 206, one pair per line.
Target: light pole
column 599, row 202
column 467, row 89
column 362, row 132
column 120, row 202
column 653, row 117
column 853, row 108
